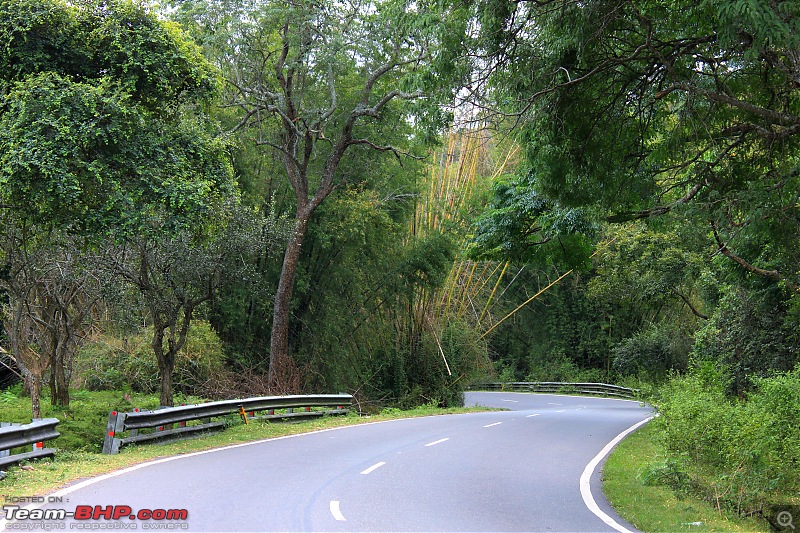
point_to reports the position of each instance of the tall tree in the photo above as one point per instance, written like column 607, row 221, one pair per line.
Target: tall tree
column 313, row 81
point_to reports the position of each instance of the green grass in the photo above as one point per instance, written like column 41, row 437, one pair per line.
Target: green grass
column 659, row 508
column 83, row 428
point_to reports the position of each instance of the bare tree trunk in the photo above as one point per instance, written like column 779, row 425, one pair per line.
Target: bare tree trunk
column 34, row 385
column 18, row 327
column 59, row 336
column 279, row 340
column 165, row 369
column 60, row 392
column 166, row 365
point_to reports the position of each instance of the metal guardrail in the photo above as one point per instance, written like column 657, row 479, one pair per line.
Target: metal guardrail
column 16, row 435
column 163, row 420
column 597, row 389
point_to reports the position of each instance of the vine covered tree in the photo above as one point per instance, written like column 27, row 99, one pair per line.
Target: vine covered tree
column 103, row 133
column 102, row 124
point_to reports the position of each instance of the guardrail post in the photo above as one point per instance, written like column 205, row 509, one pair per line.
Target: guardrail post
column 5, row 453
column 36, row 446
column 116, row 424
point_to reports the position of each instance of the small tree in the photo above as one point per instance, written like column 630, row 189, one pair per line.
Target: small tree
column 52, row 294
column 177, row 274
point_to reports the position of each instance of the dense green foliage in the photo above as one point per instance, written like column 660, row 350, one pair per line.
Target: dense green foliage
column 740, row 453
column 681, row 116
column 101, row 127
column 129, row 364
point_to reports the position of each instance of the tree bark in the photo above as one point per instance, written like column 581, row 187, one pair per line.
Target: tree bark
column 166, row 365
column 35, row 387
column 59, row 382
column 165, row 369
column 279, row 340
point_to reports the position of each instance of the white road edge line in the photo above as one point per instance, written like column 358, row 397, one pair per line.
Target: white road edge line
column 437, row 442
column 495, row 424
column 337, row 514
column 534, row 414
column 373, row 467
column 586, row 489
column 512, row 401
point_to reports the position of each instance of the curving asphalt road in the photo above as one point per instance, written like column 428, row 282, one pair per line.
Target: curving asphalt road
column 516, row 470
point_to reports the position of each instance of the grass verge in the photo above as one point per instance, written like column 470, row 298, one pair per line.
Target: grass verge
column 659, row 508
column 68, row 467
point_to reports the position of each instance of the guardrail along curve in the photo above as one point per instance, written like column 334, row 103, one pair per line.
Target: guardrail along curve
column 597, row 389
column 163, row 420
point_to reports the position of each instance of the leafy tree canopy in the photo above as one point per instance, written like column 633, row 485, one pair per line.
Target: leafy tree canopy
column 101, row 119
column 526, row 226
column 652, row 108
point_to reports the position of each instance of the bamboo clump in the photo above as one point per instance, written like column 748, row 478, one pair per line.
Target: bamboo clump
column 470, row 162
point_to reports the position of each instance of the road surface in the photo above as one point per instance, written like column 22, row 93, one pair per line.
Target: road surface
column 515, row 470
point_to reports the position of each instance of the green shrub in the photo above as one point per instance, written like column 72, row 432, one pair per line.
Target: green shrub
column 752, row 334
column 653, row 351
column 83, row 424
column 110, row 363
column 741, row 453
column 561, row 368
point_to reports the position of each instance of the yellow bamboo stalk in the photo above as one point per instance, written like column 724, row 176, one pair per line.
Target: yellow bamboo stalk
column 529, row 300
column 454, row 283
column 494, row 291
column 484, row 278
column 465, row 292
column 526, row 302
column 439, row 344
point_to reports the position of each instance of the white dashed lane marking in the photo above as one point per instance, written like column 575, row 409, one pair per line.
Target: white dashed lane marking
column 337, row 514
column 373, row 467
